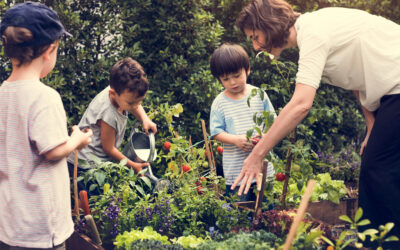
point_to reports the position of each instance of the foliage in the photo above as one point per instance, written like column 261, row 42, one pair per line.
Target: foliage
column 328, row 189
column 153, row 244
column 125, row 240
column 278, row 222
column 254, row 240
column 190, row 241
column 380, row 236
column 342, row 165
column 117, row 175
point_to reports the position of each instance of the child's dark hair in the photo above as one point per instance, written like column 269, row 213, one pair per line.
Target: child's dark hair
column 129, row 74
column 229, row 59
column 12, row 37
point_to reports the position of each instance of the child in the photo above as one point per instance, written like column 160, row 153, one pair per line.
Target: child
column 34, row 185
column 231, row 116
column 107, row 114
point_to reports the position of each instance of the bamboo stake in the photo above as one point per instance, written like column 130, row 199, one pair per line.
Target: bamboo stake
column 299, row 215
column 260, row 189
column 289, row 157
column 76, row 207
column 209, row 153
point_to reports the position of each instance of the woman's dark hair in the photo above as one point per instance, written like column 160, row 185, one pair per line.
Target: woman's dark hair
column 272, row 17
column 228, row 59
column 129, row 74
column 11, row 39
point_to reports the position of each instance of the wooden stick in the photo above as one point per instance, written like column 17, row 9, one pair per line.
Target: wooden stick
column 260, row 189
column 76, row 207
column 300, row 214
column 206, row 143
column 289, row 157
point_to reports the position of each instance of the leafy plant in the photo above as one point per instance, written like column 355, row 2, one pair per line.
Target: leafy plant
column 125, row 240
column 350, row 236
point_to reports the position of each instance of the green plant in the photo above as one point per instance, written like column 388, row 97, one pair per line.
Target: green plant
column 125, row 240
column 380, row 236
column 116, row 174
column 190, row 241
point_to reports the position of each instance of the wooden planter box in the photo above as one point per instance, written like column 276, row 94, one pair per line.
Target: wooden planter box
column 79, row 241
column 329, row 212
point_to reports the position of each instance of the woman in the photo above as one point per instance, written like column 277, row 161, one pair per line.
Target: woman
column 350, row 49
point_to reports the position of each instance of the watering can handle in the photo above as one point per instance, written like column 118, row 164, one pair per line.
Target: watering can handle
column 152, row 146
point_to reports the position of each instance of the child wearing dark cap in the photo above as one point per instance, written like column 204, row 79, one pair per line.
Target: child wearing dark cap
column 35, row 210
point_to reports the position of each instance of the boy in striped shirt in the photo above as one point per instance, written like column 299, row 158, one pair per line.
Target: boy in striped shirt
column 231, row 117
column 34, row 185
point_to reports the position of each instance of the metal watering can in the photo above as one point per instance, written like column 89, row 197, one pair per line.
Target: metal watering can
column 141, row 148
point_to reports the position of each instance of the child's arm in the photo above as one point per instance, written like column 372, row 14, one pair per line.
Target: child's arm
column 238, row 140
column 108, row 142
column 141, row 115
column 78, row 139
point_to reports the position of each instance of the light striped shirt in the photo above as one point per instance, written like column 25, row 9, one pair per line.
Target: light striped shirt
column 35, row 206
column 236, row 117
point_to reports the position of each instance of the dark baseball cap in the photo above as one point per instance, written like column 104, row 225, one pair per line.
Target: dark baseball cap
column 42, row 21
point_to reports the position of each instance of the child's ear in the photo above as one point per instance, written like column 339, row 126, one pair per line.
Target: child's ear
column 248, row 72
column 112, row 92
column 48, row 51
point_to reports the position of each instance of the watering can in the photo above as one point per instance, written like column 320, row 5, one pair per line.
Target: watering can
column 141, row 148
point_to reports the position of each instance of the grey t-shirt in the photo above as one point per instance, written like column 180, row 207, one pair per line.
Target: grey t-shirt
column 100, row 108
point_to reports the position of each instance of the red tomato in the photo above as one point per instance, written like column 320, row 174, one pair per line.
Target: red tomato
column 203, row 179
column 220, row 150
column 167, row 145
column 200, row 190
column 280, row 176
column 185, row 168
column 255, row 140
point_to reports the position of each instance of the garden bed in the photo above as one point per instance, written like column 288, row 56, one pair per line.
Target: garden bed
column 329, row 212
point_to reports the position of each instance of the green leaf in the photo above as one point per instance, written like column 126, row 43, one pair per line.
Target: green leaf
column 146, row 180
column 361, row 236
column 348, row 242
column 313, row 235
column 100, row 177
column 358, row 215
column 370, row 232
column 389, row 226
column 92, row 187
column 327, row 240
column 345, row 218
column 392, row 238
column 249, row 133
column 139, row 189
column 363, row 222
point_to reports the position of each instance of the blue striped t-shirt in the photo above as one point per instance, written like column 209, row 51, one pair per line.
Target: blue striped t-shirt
column 236, row 117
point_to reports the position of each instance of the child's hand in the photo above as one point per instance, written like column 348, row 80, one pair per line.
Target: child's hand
column 149, row 125
column 138, row 166
column 242, row 142
column 83, row 138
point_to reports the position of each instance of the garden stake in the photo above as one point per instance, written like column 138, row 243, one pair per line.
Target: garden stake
column 210, row 157
column 299, row 215
column 208, row 150
column 289, row 157
column 260, row 189
column 76, row 207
